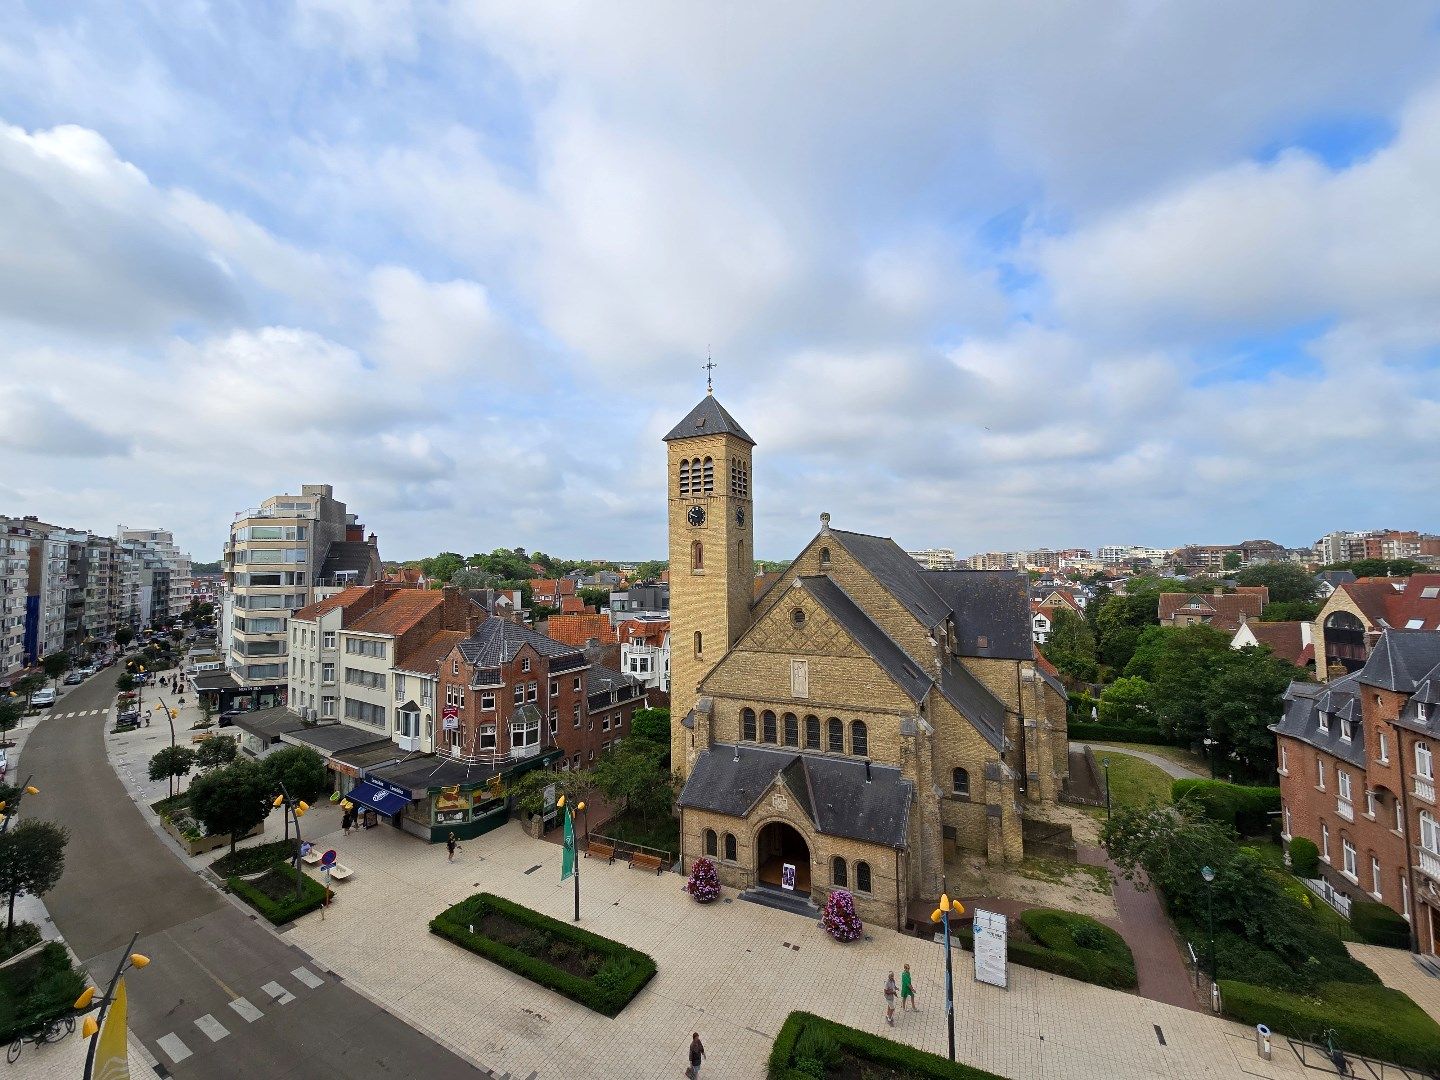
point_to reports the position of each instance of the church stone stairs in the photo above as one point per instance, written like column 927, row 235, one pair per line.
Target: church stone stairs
column 782, row 901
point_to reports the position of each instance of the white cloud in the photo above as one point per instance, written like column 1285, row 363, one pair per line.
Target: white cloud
column 438, row 329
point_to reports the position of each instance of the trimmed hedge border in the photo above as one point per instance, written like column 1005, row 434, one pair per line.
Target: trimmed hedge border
column 1304, row 858
column 1085, row 731
column 254, row 860
column 1079, row 965
column 862, row 1044
column 39, row 988
column 1371, row 1020
column 1379, row 925
column 312, row 895
column 623, row 974
column 1246, row 809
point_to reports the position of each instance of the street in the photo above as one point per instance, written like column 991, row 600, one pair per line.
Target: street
column 222, row 997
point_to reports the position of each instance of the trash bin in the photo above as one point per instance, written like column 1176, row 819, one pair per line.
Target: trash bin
column 1262, row 1041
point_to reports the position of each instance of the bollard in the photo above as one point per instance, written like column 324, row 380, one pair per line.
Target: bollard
column 1215, row 996
column 1262, row 1041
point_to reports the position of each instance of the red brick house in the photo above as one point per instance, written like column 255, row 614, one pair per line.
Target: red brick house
column 1357, row 777
column 1222, row 610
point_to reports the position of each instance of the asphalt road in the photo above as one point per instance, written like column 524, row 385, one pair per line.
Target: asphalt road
column 221, row 992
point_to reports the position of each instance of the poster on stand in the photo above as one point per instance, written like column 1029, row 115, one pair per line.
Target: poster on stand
column 787, row 876
column 991, row 940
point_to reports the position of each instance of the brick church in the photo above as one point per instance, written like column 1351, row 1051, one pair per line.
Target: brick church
column 859, row 720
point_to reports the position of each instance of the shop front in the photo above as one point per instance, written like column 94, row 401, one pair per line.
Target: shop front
column 347, row 751
column 443, row 796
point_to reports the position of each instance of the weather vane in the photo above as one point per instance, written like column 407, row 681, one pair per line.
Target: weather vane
column 709, row 366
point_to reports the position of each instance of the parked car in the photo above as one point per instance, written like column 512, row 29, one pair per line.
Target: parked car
column 74, row 679
column 42, row 699
column 130, row 716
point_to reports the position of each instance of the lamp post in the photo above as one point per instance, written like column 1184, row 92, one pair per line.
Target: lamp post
column 91, row 1028
column 1210, row 754
column 14, row 808
column 570, row 842
column 942, row 915
column 1209, row 875
column 1105, row 761
column 296, row 808
column 170, row 715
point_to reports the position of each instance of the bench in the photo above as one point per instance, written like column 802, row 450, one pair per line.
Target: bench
column 311, row 857
column 601, row 851
column 647, row 862
column 339, row 872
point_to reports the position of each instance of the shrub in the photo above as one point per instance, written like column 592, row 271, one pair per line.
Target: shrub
column 805, row 1041
column 839, row 918
column 703, row 885
column 1114, row 966
column 1379, row 925
column 1247, row 810
column 1304, row 857
column 1371, row 1020
column 17, row 940
column 622, row 973
column 252, row 860
column 274, row 894
column 1085, row 731
column 36, row 989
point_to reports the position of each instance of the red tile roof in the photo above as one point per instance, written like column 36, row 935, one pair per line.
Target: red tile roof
column 426, row 658
column 1405, row 608
column 342, row 599
column 1284, row 638
column 573, row 605
column 399, row 613
column 649, row 631
column 577, row 630
column 1222, row 612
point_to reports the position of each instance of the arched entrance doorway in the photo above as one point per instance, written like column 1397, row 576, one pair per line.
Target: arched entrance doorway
column 780, row 845
column 1344, row 641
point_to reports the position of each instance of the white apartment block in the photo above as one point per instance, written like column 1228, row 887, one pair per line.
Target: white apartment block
column 161, row 543
column 935, row 558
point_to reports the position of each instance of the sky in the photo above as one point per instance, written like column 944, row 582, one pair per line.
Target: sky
column 977, row 276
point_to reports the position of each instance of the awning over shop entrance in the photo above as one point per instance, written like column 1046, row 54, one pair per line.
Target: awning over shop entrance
column 387, row 802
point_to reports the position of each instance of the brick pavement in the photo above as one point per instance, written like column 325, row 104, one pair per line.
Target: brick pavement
column 1399, row 971
column 726, row 970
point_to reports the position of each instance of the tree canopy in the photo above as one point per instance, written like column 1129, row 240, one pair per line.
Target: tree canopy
column 232, row 800
column 176, row 761
column 1291, row 611
column 1287, row 581
column 56, row 664
column 1381, row 567
column 1070, row 646
column 215, row 752
column 633, row 774
column 299, row 768
column 32, row 858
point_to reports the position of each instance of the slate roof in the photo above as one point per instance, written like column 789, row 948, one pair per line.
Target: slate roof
column 832, row 791
column 1401, row 660
column 1304, row 702
column 498, row 640
column 893, row 660
column 989, row 604
column 214, row 680
column 708, row 418
column 899, row 574
column 334, row 738
column 975, row 702
column 349, row 556
column 1336, row 578
column 269, row 724
column 600, row 680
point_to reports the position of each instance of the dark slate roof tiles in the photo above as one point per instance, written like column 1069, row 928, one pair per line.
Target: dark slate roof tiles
column 895, row 661
column 708, row 418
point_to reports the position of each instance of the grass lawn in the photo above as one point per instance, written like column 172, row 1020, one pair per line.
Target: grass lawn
column 1177, row 754
column 1133, row 782
column 1272, row 851
column 1057, row 871
column 663, row 833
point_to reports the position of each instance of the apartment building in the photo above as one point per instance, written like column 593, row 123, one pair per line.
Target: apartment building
column 280, row 557
column 935, row 558
column 1357, row 777
column 20, row 553
column 160, row 543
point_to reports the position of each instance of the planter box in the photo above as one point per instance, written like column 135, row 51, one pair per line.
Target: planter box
column 205, row 843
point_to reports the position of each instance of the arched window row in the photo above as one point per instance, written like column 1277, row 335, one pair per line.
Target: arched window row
column 787, row 730
column 697, row 476
column 840, row 875
column 712, row 845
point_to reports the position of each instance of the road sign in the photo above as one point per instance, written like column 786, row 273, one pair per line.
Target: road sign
column 328, row 858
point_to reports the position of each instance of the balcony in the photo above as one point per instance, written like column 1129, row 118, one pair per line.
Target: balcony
column 1425, row 789
column 1429, row 863
column 1345, row 809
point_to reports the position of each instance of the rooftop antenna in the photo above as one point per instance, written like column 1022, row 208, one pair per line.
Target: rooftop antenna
column 710, row 367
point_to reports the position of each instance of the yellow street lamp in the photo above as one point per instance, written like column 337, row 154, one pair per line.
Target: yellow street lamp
column 91, row 1027
column 942, row 915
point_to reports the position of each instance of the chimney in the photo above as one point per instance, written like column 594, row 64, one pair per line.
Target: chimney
column 1219, row 590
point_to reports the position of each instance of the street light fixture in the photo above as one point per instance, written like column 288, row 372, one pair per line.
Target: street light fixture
column 942, row 915
column 1209, row 875
column 574, row 854
column 1210, row 745
column 297, row 809
column 91, row 1027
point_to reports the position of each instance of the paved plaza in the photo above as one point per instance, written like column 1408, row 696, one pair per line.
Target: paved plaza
column 728, row 970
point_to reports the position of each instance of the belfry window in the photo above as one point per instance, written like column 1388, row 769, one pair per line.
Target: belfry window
column 709, row 475
column 685, row 477
column 739, row 478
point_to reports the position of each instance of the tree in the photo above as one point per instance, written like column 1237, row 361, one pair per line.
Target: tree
column 1286, row 581
column 123, row 636
column 442, row 566
column 11, row 710
column 1231, row 560
column 1071, row 646
column 232, row 800
column 177, row 634
column 468, row 577
column 1243, row 699
column 299, row 768
column 32, row 858
column 56, row 664
column 1119, row 623
column 28, row 684
column 215, row 753
column 652, row 725
column 1381, row 567
column 1125, row 701
column 172, row 761
column 595, row 598
column 528, row 792
column 632, row 773
column 651, row 570
column 1291, row 611
column 125, row 683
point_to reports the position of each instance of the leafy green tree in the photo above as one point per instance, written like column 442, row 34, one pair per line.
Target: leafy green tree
column 1181, row 678
column 1232, row 560
column 541, row 612
column 28, row 684
column 468, row 577
column 125, row 683
column 1291, row 611
column 528, row 792
column 232, row 800
column 652, row 725
column 123, row 636
column 299, row 768
column 32, row 858
column 631, row 775
column 651, row 570
column 11, row 710
column 56, row 664
column 1244, row 697
column 215, row 753
column 1125, row 701
column 172, row 763
column 1119, row 623
column 443, row 566
column 1071, row 646
column 596, row 598
column 1381, row 567
column 1286, row 581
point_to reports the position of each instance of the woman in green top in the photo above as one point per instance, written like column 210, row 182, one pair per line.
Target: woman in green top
column 907, row 990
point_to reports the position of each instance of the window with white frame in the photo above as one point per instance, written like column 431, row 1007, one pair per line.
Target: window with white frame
column 1370, row 804
column 427, row 692
column 518, row 694
column 525, row 664
column 1429, row 837
column 1384, row 748
column 327, row 706
column 576, row 686
column 1345, row 729
column 327, row 673
column 327, row 639
column 1347, row 855
column 1343, row 780
column 1375, row 877
column 1424, row 762
column 554, row 721
column 525, row 731
column 577, row 714
column 455, row 667
column 399, row 687
column 1325, row 841
column 1399, row 817
column 487, row 737
column 532, row 692
column 1320, row 773
column 455, row 695
column 1284, row 759
column 487, row 701
column 554, row 687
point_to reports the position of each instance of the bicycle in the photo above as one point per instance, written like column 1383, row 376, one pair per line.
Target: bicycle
column 1337, row 1057
column 49, row 1031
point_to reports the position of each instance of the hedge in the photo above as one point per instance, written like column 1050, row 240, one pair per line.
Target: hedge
column 623, row 972
column 37, row 989
column 1374, row 1021
column 1107, row 967
column 1379, row 925
column 1304, row 858
column 1248, row 810
column 802, row 1028
column 1085, row 731
column 312, row 895
column 252, row 860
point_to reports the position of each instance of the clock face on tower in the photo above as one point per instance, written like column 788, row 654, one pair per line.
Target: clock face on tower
column 739, row 515
column 696, row 516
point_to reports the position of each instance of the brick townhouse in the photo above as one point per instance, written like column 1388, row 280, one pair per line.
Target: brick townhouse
column 521, row 694
column 1357, row 777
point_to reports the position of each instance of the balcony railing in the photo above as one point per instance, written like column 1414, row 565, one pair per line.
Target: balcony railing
column 1430, row 863
column 1425, row 789
column 1345, row 809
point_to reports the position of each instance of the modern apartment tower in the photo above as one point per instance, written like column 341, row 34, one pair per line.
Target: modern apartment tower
column 174, row 562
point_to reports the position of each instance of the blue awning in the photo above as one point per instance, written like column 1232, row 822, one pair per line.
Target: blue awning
column 367, row 794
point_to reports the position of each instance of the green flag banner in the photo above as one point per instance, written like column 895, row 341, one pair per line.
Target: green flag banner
column 567, row 862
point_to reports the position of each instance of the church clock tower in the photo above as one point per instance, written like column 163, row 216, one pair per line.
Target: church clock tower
column 712, row 554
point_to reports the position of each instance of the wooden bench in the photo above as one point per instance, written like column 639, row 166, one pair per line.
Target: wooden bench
column 600, row 851
column 647, row 862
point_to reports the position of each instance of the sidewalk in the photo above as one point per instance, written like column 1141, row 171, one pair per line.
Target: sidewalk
column 731, row 971
column 1173, row 768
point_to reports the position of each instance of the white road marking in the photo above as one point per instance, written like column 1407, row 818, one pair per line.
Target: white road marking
column 279, row 993
column 212, row 1027
column 174, row 1049
column 308, row 977
column 245, row 1009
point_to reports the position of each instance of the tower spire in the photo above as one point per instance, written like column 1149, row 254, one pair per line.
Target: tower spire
column 709, row 367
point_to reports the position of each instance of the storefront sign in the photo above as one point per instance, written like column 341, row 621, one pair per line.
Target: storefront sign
column 449, row 799
column 345, row 770
column 385, row 785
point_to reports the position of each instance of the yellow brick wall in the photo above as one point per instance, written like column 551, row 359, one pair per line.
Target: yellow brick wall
column 1339, row 601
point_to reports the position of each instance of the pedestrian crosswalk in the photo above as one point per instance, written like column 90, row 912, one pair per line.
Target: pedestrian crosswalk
column 79, row 713
column 174, row 1047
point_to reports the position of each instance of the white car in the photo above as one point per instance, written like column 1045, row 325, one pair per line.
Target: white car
column 42, row 699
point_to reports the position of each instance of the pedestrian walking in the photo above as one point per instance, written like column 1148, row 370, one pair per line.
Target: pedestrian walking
column 697, row 1055
column 451, row 846
column 907, row 990
column 345, row 822
column 890, row 991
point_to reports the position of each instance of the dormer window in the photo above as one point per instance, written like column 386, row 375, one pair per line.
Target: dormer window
column 1325, row 722
column 1345, row 730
